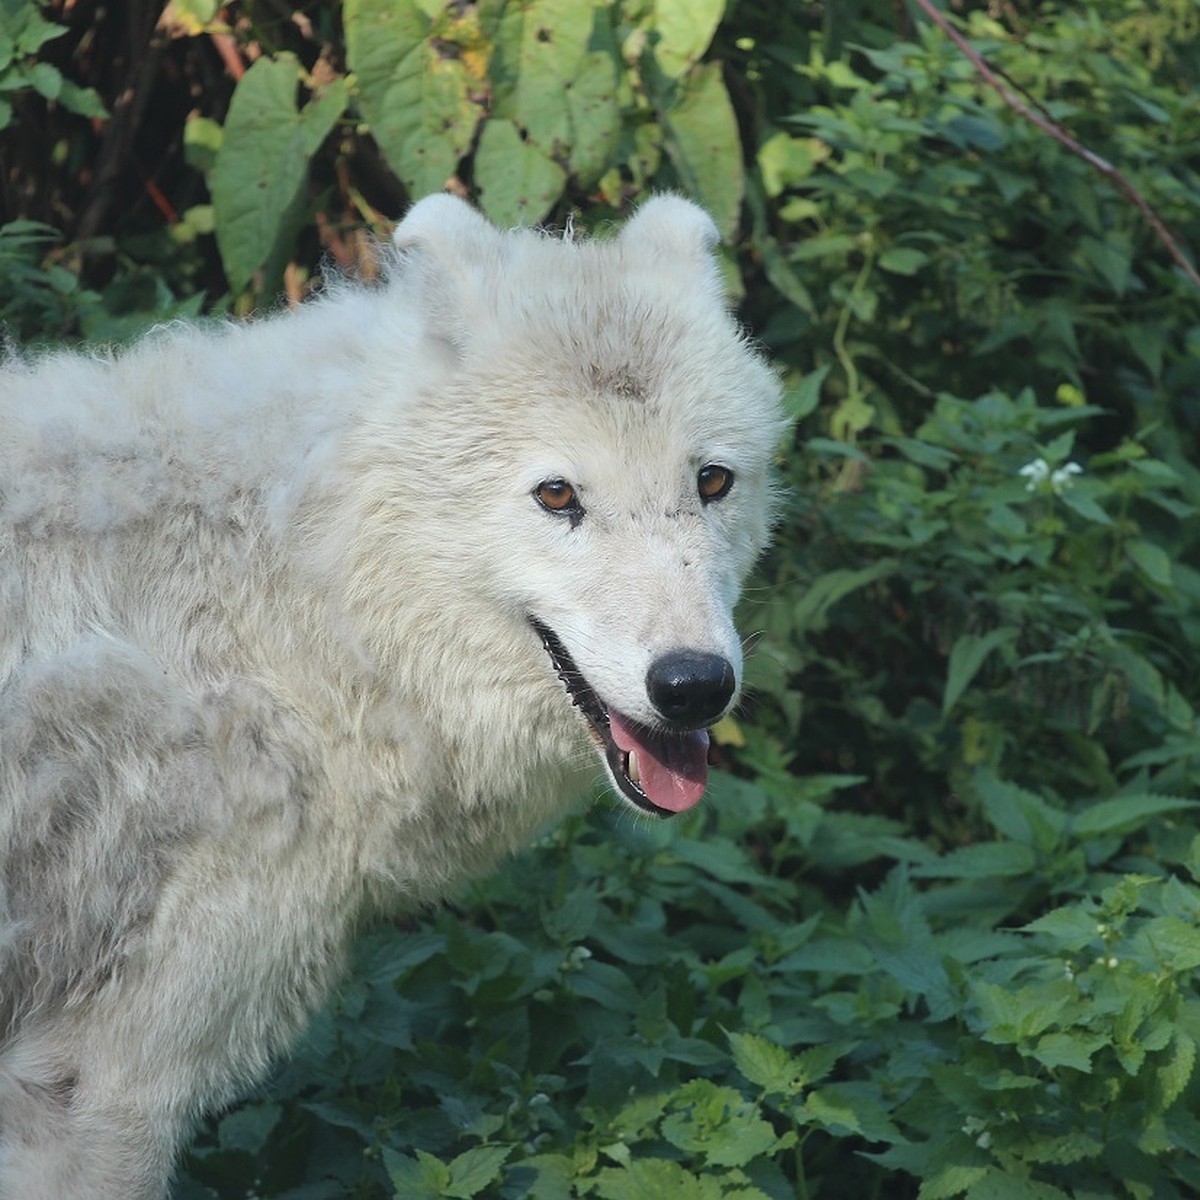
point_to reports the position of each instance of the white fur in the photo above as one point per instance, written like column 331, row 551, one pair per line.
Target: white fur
column 265, row 658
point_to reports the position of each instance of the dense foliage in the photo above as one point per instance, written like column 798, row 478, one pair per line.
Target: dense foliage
column 936, row 931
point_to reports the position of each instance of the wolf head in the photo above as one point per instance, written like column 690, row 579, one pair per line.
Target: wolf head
column 594, row 441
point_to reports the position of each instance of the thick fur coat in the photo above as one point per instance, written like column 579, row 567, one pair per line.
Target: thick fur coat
column 327, row 611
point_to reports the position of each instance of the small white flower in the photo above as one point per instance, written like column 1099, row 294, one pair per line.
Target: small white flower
column 1062, row 479
column 1036, row 472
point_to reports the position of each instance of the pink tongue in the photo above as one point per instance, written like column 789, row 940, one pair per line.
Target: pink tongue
column 673, row 766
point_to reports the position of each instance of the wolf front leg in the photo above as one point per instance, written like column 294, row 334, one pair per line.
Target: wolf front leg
column 64, row 1136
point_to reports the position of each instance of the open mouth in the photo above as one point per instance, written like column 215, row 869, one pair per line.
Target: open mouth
column 663, row 772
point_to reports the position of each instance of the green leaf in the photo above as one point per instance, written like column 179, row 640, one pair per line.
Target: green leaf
column 1124, row 813
column 262, row 164
column 903, row 260
column 967, row 657
column 684, row 30
column 765, row 1064
column 247, row 1128
column 1070, row 926
column 704, row 147
column 420, row 1178
column 1176, row 1070
column 517, row 183
column 1004, row 1185
column 1152, row 561
column 555, row 86
column 1173, row 944
column 1071, row 1048
column 996, row 860
column 474, row 1170
column 802, row 398
column 420, row 84
column 826, row 590
column 647, row 1177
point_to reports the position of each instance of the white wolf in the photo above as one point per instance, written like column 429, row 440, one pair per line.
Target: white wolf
column 315, row 613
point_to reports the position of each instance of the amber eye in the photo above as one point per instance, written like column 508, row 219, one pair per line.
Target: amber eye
column 557, row 495
column 713, row 482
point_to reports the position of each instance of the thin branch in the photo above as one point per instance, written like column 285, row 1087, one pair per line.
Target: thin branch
column 991, row 77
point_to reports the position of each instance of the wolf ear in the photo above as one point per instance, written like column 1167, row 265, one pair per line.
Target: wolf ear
column 446, row 246
column 446, row 224
column 670, row 227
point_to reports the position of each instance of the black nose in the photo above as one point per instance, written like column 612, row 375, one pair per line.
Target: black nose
column 690, row 688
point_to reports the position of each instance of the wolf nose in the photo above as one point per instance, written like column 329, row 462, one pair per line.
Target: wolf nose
column 690, row 688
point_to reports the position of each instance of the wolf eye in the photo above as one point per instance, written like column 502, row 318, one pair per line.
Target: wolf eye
column 558, row 496
column 713, row 482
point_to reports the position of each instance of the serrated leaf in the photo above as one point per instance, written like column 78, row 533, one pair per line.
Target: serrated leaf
column 1070, row 926
column 474, row 1170
column 421, row 1178
column 1176, row 1071
column 1124, row 813
column 765, row 1064
column 1003, row 1185
column 950, row 1182
column 1069, row 1049
column 1173, row 943
column 646, row 1177
column 997, row 860
column 263, row 161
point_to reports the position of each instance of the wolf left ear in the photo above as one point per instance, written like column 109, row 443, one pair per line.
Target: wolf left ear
column 445, row 224
column 446, row 245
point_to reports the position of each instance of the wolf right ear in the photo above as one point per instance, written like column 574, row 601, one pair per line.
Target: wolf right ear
column 446, row 246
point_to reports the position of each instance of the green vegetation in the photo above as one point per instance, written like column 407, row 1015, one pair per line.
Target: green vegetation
column 936, row 932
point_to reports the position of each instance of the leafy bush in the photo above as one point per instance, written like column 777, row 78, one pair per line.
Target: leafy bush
column 936, row 934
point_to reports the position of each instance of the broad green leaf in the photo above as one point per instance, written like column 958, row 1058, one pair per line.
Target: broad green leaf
column 704, row 147
column 556, row 86
column 1152, row 560
column 1123, row 813
column 826, row 590
column 967, row 656
column 684, row 29
column 421, row 84
column 262, row 164
column 903, row 260
column 517, row 183
column 802, row 399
